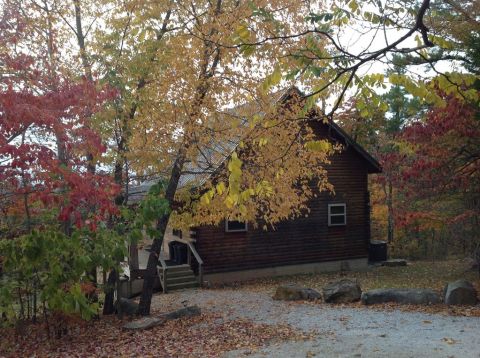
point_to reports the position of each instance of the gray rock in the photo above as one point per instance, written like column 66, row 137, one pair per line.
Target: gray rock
column 413, row 296
column 144, row 323
column 150, row 322
column 125, row 306
column 189, row 311
column 294, row 293
column 394, row 263
column 342, row 291
column 460, row 292
column 311, row 294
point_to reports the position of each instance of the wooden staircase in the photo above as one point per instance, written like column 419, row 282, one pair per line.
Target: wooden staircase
column 177, row 277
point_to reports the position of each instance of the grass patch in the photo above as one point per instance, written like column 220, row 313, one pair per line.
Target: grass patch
column 418, row 274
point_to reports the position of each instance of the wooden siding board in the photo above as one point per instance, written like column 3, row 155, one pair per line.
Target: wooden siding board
column 302, row 240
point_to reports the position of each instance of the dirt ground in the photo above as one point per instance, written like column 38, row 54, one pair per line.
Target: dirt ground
column 242, row 319
column 351, row 330
column 335, row 331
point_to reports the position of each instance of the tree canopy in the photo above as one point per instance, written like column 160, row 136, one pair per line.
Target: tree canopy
column 98, row 97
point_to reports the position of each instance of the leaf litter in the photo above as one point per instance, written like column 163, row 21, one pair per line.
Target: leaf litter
column 208, row 335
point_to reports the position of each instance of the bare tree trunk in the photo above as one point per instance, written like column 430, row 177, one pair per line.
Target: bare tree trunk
column 63, row 158
column 433, row 245
column 81, row 40
column 87, row 70
column 25, row 194
column 109, row 303
column 162, row 222
column 20, row 300
column 118, row 178
column 391, row 225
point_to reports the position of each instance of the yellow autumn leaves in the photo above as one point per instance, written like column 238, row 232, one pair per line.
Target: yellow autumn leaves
column 235, row 196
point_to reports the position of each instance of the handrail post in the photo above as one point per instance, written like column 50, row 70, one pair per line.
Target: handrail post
column 200, row 262
column 164, row 274
column 164, row 280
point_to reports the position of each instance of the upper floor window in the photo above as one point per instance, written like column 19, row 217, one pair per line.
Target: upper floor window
column 235, row 226
column 337, row 214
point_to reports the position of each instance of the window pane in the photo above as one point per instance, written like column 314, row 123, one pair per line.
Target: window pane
column 236, row 226
column 336, row 220
column 337, row 209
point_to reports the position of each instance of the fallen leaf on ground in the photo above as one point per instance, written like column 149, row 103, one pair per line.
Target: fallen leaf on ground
column 449, row 340
column 206, row 335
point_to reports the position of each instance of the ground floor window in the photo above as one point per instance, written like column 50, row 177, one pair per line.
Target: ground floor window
column 235, row 226
column 337, row 214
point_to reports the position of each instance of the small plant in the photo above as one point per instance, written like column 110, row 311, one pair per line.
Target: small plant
column 45, row 274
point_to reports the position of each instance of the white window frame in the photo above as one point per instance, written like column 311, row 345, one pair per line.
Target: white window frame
column 237, row 230
column 344, row 214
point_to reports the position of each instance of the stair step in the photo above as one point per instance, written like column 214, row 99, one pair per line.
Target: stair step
column 181, row 279
column 179, row 273
column 179, row 268
column 179, row 286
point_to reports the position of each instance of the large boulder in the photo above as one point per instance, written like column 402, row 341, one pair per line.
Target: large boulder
column 413, row 296
column 460, row 292
column 342, row 291
column 292, row 292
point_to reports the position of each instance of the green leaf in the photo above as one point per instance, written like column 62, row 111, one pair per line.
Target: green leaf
column 220, row 188
column 318, row 146
column 353, row 5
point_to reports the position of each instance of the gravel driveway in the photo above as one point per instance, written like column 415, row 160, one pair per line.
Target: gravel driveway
column 342, row 331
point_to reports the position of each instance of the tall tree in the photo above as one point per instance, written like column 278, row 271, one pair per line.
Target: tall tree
column 185, row 105
column 46, row 186
column 184, row 119
column 44, row 135
column 178, row 69
column 441, row 180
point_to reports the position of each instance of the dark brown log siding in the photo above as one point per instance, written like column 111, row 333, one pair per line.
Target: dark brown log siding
column 303, row 240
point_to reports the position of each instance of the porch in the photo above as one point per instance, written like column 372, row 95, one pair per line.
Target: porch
column 179, row 268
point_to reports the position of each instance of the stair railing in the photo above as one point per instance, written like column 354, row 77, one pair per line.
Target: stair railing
column 163, row 276
column 192, row 251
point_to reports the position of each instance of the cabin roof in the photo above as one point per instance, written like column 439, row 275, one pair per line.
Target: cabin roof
column 373, row 165
column 211, row 158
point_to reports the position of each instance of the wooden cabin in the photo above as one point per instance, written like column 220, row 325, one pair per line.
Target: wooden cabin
column 334, row 236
